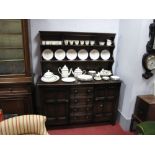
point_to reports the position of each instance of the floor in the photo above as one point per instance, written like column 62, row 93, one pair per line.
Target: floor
column 92, row 130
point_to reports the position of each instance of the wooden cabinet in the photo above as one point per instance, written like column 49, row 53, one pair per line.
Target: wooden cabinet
column 144, row 110
column 78, row 102
column 67, row 104
column 15, row 74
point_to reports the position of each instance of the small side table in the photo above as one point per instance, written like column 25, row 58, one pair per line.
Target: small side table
column 144, row 110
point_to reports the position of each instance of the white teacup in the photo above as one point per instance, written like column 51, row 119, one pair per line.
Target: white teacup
column 92, row 42
column 43, row 42
column 71, row 42
column 66, row 42
column 92, row 72
column 101, row 43
column 86, row 42
column 76, row 42
column 109, row 42
column 81, row 42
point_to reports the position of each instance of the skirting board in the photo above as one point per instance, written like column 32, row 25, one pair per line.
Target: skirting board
column 124, row 123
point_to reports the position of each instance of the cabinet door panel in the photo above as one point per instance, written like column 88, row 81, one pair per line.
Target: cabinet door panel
column 56, row 112
column 10, row 26
column 14, row 105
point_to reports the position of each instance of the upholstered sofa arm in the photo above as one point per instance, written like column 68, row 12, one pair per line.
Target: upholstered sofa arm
column 24, row 124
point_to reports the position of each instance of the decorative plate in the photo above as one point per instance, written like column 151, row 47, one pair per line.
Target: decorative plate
column 60, row 54
column 52, row 79
column 94, row 54
column 68, row 79
column 71, row 54
column 105, row 54
column 83, row 54
column 47, row 54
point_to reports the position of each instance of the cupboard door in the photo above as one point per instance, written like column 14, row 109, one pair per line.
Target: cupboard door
column 56, row 112
column 16, row 105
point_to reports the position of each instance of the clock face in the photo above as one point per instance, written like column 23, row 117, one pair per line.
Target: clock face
column 151, row 62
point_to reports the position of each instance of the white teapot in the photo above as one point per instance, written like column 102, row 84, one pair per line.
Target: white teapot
column 78, row 71
column 64, row 71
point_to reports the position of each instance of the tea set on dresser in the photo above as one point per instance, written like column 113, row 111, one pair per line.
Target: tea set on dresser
column 78, row 74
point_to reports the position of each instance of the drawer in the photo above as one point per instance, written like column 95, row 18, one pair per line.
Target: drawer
column 14, row 90
column 81, row 101
column 81, row 118
column 81, row 91
column 107, row 106
column 55, row 93
column 107, row 91
column 81, row 109
column 103, row 117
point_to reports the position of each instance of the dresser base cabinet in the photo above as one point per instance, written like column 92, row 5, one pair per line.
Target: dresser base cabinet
column 72, row 104
column 16, row 99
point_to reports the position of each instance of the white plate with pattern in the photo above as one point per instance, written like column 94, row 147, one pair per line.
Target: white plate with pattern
column 83, row 54
column 71, row 54
column 60, row 54
column 94, row 54
column 105, row 54
column 47, row 54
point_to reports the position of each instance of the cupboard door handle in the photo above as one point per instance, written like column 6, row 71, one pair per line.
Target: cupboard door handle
column 110, row 97
column 50, row 101
column 75, row 101
column 76, row 91
column 89, row 91
column 75, row 110
column 62, row 100
column 101, row 105
column 100, row 98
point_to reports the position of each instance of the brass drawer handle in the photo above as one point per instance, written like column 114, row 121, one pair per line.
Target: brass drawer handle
column 100, row 98
column 76, row 91
column 101, row 105
column 75, row 110
column 89, row 91
column 88, row 100
column 75, row 101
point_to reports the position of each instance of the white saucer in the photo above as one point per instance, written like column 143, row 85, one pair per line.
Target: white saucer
column 52, row 79
column 114, row 77
column 68, row 79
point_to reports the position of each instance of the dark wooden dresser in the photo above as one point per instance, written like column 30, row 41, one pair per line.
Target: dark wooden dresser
column 144, row 110
column 79, row 102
